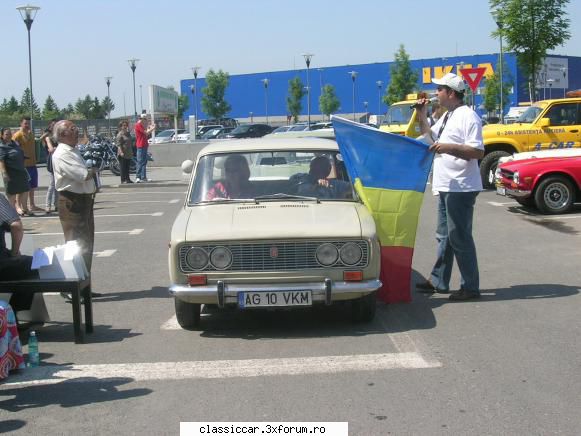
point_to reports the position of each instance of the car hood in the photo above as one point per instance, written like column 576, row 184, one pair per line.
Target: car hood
column 516, row 165
column 273, row 220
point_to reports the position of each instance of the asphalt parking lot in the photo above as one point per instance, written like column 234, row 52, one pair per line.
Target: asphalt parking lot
column 505, row 364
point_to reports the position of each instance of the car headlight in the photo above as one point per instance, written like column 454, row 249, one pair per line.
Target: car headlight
column 221, row 257
column 497, row 174
column 516, row 177
column 350, row 253
column 197, row 258
column 327, row 254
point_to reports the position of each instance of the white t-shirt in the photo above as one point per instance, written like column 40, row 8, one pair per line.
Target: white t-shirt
column 453, row 174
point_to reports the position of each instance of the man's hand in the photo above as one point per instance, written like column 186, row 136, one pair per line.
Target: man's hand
column 323, row 182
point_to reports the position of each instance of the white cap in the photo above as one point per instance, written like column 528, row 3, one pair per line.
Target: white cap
column 143, row 116
column 451, row 81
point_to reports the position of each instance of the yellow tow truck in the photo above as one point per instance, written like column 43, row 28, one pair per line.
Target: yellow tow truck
column 401, row 118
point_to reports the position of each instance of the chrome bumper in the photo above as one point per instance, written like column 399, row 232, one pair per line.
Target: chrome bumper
column 224, row 293
column 518, row 193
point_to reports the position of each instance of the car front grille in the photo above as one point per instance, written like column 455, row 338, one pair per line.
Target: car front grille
column 273, row 256
column 506, row 174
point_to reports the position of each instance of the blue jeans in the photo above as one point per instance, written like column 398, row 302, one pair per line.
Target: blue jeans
column 141, row 163
column 454, row 236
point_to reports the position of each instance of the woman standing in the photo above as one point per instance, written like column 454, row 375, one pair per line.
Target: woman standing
column 50, row 145
column 124, row 150
column 16, row 178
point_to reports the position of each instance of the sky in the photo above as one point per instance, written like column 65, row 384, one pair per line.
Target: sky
column 76, row 44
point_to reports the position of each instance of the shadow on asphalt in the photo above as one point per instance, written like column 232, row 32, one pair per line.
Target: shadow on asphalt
column 67, row 393
column 154, row 292
column 11, row 425
column 63, row 332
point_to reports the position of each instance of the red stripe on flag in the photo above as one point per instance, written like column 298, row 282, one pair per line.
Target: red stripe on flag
column 396, row 273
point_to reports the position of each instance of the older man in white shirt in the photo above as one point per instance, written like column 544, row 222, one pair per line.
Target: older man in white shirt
column 74, row 182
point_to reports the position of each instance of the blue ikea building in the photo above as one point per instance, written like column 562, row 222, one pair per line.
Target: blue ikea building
column 250, row 99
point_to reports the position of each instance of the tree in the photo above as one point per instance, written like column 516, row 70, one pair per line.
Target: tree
column 213, row 102
column 84, row 107
column 328, row 101
column 68, row 111
column 491, row 99
column 107, row 105
column 50, row 109
column 183, row 104
column 97, row 111
column 25, row 105
column 9, row 107
column 403, row 79
column 296, row 92
column 531, row 28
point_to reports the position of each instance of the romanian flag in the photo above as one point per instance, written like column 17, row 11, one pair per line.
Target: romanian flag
column 389, row 173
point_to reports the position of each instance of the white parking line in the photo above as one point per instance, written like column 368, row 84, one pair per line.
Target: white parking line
column 219, row 369
column 175, row 200
column 130, row 232
column 105, row 253
column 146, row 201
column 498, row 204
column 106, row 216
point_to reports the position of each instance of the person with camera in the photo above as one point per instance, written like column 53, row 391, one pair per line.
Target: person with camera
column 456, row 139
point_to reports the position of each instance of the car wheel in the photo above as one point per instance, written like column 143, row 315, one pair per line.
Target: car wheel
column 363, row 309
column 555, row 195
column 526, row 202
column 488, row 166
column 188, row 314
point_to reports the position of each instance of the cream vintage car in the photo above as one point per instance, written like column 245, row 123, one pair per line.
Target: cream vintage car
column 272, row 223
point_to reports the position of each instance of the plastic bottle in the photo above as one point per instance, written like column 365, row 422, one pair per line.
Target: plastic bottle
column 33, row 356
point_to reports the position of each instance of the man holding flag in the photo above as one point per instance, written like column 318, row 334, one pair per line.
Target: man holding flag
column 457, row 142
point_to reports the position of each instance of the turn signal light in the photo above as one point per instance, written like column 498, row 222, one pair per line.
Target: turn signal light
column 197, row 280
column 353, row 276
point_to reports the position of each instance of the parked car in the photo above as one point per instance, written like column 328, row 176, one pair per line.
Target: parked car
column 165, row 136
column 257, row 232
column 248, row 131
column 281, row 129
column 552, row 184
column 214, row 133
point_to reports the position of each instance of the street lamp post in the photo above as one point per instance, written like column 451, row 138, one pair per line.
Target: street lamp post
column 550, row 82
column 108, row 82
column 265, row 83
column 500, row 64
column 308, row 57
column 28, row 13
column 564, row 71
column 365, row 104
column 379, row 84
column 133, row 66
column 195, row 71
column 353, row 77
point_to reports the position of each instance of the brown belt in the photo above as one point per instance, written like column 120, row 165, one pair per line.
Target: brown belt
column 70, row 194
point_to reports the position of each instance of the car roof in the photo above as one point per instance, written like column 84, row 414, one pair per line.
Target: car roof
column 273, row 143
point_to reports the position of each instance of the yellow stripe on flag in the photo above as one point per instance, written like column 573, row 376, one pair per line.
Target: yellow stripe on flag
column 396, row 213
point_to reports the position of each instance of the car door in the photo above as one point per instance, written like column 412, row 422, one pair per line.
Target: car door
column 564, row 130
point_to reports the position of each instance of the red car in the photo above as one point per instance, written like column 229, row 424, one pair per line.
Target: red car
column 552, row 184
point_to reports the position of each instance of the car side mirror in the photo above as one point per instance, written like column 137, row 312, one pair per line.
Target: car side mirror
column 187, row 166
column 544, row 122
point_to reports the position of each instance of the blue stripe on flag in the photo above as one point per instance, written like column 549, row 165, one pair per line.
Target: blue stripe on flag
column 380, row 159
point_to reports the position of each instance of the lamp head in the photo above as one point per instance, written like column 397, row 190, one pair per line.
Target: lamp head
column 28, row 13
column 195, row 71
column 308, row 57
column 133, row 64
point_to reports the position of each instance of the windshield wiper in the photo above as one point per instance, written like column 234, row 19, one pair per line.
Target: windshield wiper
column 281, row 196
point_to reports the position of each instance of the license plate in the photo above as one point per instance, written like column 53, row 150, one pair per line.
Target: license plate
column 275, row 299
column 501, row 191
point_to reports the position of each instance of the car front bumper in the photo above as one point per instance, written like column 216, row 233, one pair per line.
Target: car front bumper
column 515, row 193
column 223, row 293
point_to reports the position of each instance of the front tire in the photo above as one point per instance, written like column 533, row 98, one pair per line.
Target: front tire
column 555, row 195
column 114, row 166
column 187, row 314
column 488, row 166
column 363, row 309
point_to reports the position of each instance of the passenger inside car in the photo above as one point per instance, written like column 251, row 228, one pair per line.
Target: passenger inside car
column 317, row 183
column 235, row 183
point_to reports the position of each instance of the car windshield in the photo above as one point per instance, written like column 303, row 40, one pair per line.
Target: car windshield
column 165, row 133
column 241, row 129
column 398, row 114
column 264, row 176
column 529, row 115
